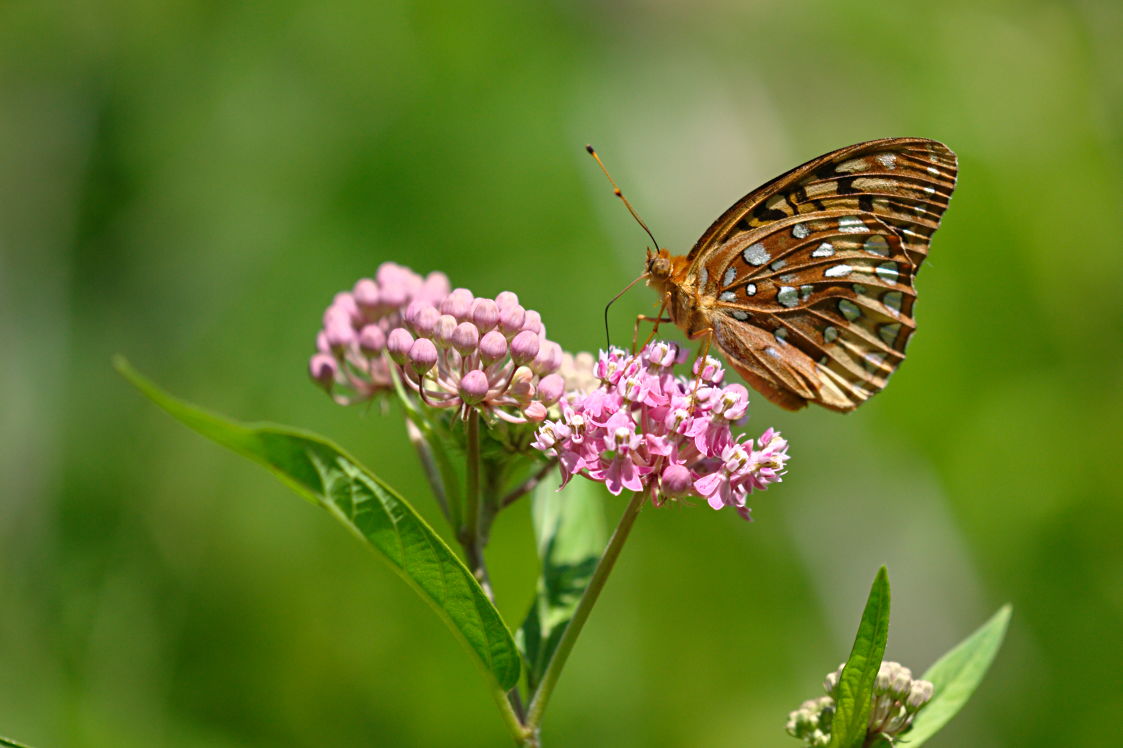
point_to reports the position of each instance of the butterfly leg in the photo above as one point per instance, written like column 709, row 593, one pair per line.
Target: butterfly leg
column 708, row 336
column 655, row 322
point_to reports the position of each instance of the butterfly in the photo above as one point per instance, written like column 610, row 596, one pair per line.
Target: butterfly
column 806, row 284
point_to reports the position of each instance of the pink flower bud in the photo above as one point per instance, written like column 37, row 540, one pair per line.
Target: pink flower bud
column 549, row 358
column 422, row 355
column 338, row 330
column 458, row 304
column 473, row 387
column 424, row 318
column 372, row 340
column 532, row 321
column 346, row 302
column 394, row 296
column 511, row 319
column 398, row 343
column 443, row 330
column 535, row 412
column 493, row 346
column 465, row 338
column 551, row 388
column 521, row 387
column 323, row 368
column 485, row 313
column 367, row 297
column 524, row 347
column 506, row 299
column 676, row 481
column 435, row 287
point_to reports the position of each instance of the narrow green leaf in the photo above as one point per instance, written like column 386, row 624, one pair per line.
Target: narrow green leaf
column 326, row 475
column 956, row 675
column 13, row 743
column 856, row 685
column 569, row 528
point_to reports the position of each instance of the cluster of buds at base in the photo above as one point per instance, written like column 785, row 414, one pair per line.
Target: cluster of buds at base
column 895, row 700
column 455, row 351
column 645, row 429
column 811, row 723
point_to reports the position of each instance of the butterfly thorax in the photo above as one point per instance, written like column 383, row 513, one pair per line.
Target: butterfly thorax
column 667, row 274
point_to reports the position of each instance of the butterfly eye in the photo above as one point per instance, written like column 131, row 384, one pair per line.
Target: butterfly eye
column 659, row 266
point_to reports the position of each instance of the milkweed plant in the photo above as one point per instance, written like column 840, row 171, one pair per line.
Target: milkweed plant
column 501, row 417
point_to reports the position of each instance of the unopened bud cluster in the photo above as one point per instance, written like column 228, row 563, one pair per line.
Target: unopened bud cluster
column 896, row 699
column 456, row 351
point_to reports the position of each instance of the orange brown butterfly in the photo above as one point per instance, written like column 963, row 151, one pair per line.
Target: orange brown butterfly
column 806, row 284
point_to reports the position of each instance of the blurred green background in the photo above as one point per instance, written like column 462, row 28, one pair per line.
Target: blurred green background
column 189, row 183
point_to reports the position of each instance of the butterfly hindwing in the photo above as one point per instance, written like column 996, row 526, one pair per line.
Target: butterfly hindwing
column 835, row 289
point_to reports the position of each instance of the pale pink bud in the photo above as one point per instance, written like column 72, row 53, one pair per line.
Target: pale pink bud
column 338, row 330
column 372, row 340
column 485, row 314
column 422, row 355
column 435, row 287
column 473, row 387
column 367, row 297
column 465, row 338
column 393, row 295
column 511, row 319
column 524, row 347
column 346, row 302
column 493, row 346
column 443, row 331
column 532, row 321
column 322, row 367
column 521, row 386
column 551, row 388
column 458, row 303
column 535, row 412
column 398, row 343
column 549, row 358
column 424, row 318
column 676, row 482
column 506, row 299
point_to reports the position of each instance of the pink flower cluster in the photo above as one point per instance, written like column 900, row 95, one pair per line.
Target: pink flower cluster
column 454, row 350
column 646, row 429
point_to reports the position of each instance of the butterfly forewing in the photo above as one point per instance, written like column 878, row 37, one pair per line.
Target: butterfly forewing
column 808, row 280
column 906, row 182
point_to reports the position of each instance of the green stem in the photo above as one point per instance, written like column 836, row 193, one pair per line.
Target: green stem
column 471, row 535
column 429, row 466
column 588, row 600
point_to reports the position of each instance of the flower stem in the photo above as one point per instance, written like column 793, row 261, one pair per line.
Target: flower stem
column 588, row 600
column 428, row 465
column 528, row 485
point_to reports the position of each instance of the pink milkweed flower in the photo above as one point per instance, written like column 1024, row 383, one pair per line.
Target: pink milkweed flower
column 645, row 429
column 455, row 351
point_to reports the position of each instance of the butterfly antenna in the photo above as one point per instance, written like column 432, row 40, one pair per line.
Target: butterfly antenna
column 619, row 194
column 607, row 337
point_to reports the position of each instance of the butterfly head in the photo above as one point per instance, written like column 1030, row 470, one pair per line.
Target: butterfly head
column 659, row 264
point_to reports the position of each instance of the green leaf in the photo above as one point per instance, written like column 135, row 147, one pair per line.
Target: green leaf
column 956, row 675
column 856, row 684
column 570, row 532
column 326, row 475
column 13, row 743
